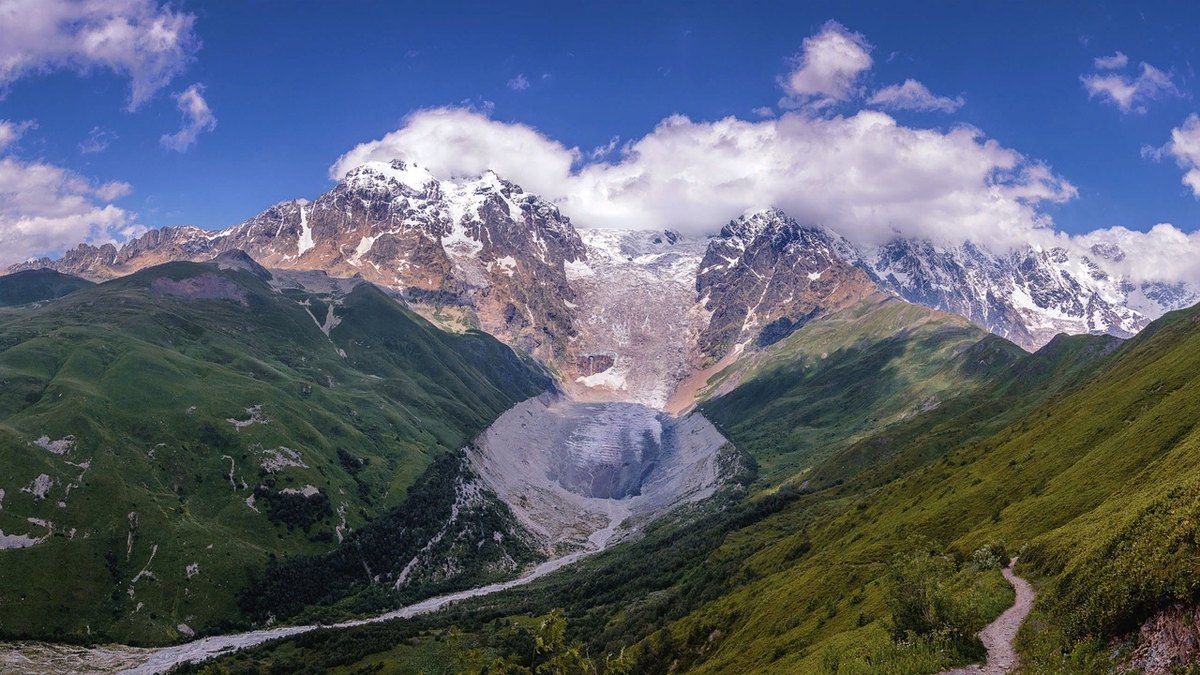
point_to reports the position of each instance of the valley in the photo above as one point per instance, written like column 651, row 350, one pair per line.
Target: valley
column 419, row 411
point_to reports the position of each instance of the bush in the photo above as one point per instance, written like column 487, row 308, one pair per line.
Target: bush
column 990, row 556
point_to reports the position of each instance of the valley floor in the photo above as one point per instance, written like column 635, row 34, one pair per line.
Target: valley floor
column 40, row 658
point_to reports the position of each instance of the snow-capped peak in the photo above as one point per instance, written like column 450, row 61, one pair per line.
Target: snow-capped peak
column 409, row 174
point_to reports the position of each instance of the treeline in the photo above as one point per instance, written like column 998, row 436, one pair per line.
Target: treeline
column 370, row 560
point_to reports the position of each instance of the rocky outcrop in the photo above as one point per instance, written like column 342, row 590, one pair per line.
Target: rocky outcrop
column 482, row 243
column 766, row 276
column 1026, row 295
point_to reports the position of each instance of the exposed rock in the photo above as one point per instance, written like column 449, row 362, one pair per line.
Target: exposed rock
column 1026, row 295
column 202, row 287
column 766, row 270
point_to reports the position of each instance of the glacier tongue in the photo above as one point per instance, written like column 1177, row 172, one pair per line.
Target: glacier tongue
column 637, row 315
column 573, row 473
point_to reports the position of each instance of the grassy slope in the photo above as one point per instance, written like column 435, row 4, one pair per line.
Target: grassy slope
column 1099, row 481
column 1082, row 457
column 37, row 285
column 145, row 385
column 844, row 377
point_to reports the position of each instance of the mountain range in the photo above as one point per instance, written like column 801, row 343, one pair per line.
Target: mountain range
column 484, row 247
column 767, row 450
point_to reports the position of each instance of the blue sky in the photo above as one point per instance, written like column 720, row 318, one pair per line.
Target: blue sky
column 293, row 86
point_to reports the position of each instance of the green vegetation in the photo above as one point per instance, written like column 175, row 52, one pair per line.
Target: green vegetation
column 21, row 288
column 844, row 376
column 386, row 545
column 164, row 435
column 1082, row 457
column 896, row 457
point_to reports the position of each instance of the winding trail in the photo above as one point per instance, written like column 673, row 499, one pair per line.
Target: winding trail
column 998, row 636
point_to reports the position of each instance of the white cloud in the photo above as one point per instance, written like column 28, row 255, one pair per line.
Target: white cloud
column 863, row 175
column 826, row 69
column 113, row 190
column 913, row 95
column 151, row 44
column 764, row 111
column 1130, row 94
column 518, row 83
column 45, row 208
column 1165, row 253
column 1184, row 146
column 197, row 118
column 98, row 140
column 11, row 132
column 453, row 142
column 1114, row 62
column 606, row 149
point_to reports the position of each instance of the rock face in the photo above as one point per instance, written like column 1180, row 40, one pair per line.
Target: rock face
column 624, row 315
column 636, row 315
column 482, row 244
column 1026, row 295
column 766, row 275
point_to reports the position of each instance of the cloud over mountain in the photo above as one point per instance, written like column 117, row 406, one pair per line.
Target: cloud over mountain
column 47, row 208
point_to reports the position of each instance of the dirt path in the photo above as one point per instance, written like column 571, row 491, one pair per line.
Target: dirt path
column 998, row 636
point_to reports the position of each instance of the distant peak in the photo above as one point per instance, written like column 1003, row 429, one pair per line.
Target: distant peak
column 408, row 174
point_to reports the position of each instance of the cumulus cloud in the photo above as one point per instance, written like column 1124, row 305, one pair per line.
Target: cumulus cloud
column 1130, row 94
column 47, row 208
column 1114, row 62
column 11, row 132
column 827, row 68
column 98, row 140
column 913, row 95
column 865, row 175
column 1165, row 253
column 197, row 118
column 149, row 43
column 518, row 83
column 1184, row 146
column 764, row 111
column 455, row 142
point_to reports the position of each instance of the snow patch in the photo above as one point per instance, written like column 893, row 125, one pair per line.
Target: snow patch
column 813, row 276
column 609, row 379
column 508, row 264
column 577, row 269
column 306, row 239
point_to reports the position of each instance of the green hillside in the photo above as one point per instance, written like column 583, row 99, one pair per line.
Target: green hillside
column 841, row 378
column 165, row 434
column 1082, row 458
column 20, row 288
column 1094, row 483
